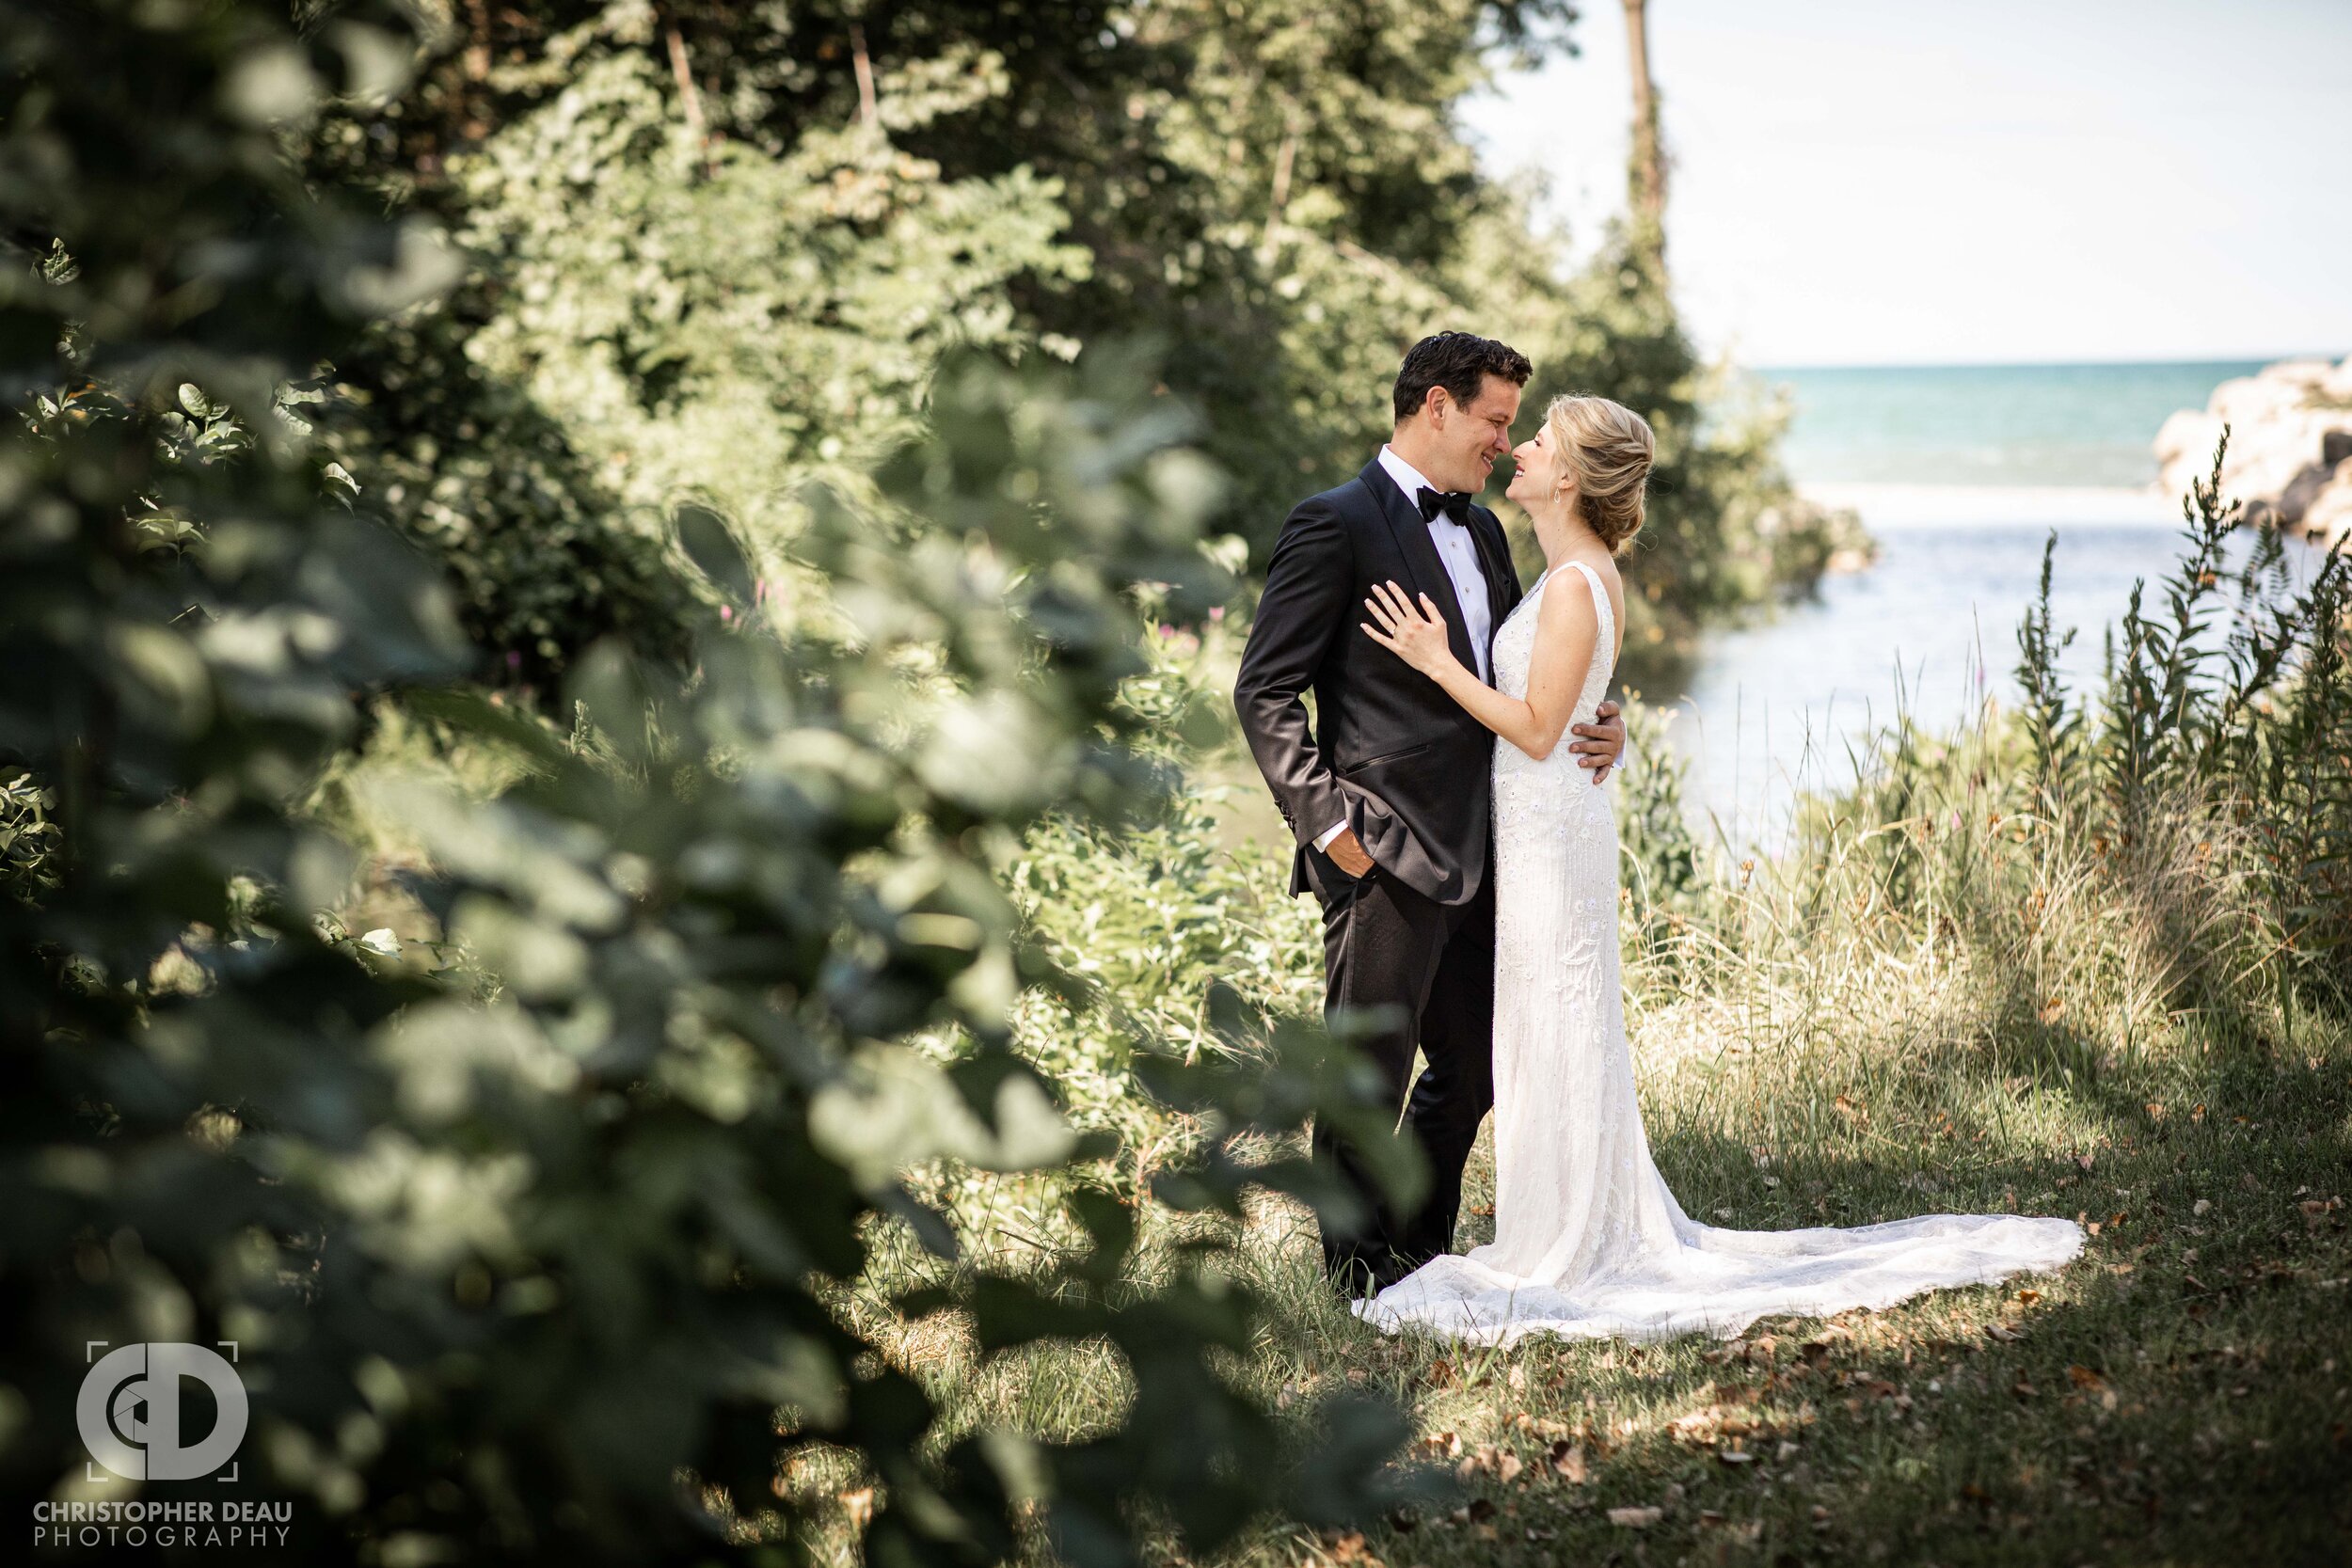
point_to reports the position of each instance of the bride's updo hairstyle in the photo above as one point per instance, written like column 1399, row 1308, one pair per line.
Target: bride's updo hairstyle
column 1608, row 447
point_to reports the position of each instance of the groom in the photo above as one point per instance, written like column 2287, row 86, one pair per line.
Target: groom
column 1387, row 793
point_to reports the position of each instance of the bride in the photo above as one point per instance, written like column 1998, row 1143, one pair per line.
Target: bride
column 1588, row 1240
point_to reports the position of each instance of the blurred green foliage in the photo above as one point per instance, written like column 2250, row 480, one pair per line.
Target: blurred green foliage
column 531, row 1230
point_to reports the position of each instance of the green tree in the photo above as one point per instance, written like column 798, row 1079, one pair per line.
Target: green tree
column 533, row 1239
column 717, row 248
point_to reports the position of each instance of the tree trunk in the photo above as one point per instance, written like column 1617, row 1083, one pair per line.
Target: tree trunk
column 683, row 70
column 1646, row 175
column 868, row 112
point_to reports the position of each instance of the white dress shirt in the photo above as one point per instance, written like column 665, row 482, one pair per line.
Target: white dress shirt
column 1459, row 553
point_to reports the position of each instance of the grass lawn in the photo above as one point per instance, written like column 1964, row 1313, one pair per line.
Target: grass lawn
column 2182, row 1393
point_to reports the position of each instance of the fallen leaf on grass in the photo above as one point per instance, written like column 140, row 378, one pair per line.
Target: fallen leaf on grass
column 2002, row 1333
column 2022, row 1389
column 1445, row 1445
column 1701, row 1428
column 1568, row 1463
column 1478, row 1512
column 2083, row 1377
column 1636, row 1518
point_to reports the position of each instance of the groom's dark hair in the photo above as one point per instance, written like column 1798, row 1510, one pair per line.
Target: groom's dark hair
column 1459, row 362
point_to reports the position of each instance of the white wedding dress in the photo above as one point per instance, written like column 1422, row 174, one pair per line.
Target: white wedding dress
column 1588, row 1242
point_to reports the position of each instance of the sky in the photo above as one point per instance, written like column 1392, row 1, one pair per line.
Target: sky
column 1882, row 182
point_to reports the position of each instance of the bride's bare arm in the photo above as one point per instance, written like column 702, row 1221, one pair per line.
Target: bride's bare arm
column 1567, row 633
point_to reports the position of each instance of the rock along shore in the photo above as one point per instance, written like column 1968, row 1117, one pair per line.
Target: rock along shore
column 2290, row 445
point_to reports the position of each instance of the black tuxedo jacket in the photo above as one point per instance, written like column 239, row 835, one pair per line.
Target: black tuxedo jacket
column 1389, row 753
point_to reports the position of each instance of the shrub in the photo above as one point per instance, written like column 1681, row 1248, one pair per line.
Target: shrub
column 530, row 1236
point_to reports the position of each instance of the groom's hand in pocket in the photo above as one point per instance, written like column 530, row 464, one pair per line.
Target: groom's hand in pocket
column 1348, row 853
column 1600, row 744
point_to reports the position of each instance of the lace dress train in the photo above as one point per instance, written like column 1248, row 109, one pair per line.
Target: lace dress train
column 1588, row 1240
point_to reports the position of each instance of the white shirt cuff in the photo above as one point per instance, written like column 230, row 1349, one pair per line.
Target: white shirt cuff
column 1322, row 840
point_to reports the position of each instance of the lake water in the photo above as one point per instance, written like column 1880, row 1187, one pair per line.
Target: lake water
column 2003, row 426
column 1962, row 473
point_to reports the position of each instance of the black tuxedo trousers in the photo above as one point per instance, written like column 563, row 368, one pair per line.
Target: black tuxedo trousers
column 1422, row 973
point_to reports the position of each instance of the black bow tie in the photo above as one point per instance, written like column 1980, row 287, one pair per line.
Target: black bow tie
column 1454, row 503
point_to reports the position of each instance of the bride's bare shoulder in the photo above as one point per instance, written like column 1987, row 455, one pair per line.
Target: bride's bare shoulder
column 1567, row 615
column 1604, row 568
column 1578, row 607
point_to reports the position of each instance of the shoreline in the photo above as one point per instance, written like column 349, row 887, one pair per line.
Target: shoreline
column 1896, row 506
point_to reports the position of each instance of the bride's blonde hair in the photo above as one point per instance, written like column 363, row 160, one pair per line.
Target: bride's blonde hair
column 1608, row 447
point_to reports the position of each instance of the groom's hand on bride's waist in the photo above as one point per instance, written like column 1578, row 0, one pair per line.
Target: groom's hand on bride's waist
column 1599, row 745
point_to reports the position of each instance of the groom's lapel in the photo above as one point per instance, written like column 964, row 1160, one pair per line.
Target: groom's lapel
column 1494, row 556
column 1421, row 556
